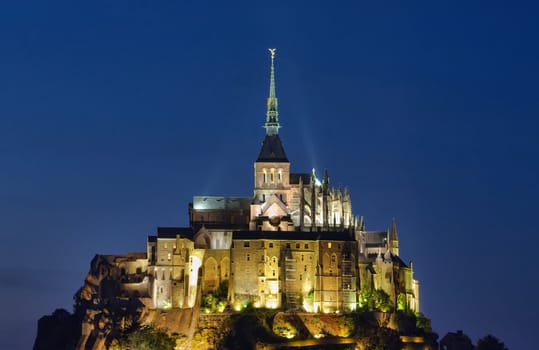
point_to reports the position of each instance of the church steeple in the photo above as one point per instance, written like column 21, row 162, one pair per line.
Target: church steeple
column 272, row 114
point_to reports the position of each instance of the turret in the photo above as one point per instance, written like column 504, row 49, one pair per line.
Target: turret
column 393, row 238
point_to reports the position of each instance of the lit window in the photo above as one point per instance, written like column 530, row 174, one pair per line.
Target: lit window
column 168, row 256
column 165, row 246
column 271, row 177
column 329, row 245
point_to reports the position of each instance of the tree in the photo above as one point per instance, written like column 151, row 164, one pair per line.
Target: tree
column 145, row 338
column 490, row 342
column 374, row 300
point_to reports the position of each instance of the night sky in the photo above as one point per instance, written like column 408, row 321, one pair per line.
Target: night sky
column 113, row 114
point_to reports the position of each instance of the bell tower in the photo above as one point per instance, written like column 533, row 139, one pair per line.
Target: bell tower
column 272, row 168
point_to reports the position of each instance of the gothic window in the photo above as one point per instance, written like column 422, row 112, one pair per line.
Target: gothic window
column 280, row 176
column 264, row 177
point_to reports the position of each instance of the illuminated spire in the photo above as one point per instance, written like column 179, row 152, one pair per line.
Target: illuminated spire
column 272, row 115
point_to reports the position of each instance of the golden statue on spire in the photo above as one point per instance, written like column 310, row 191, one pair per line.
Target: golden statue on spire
column 272, row 52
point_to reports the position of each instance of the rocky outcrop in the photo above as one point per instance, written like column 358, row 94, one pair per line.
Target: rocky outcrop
column 100, row 313
column 60, row 331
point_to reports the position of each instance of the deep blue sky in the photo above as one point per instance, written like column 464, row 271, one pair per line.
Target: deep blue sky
column 113, row 114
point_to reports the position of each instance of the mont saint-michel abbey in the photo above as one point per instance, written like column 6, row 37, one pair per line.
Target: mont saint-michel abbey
column 293, row 244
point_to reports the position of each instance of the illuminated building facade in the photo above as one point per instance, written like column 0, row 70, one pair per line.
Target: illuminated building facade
column 293, row 244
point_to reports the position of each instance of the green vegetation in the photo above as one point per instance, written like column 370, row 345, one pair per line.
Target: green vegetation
column 216, row 301
column 490, row 342
column 145, row 338
column 374, row 300
column 379, row 339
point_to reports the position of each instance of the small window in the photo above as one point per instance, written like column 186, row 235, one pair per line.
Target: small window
column 329, row 245
column 301, row 257
column 168, row 256
column 271, row 245
column 271, row 177
column 273, row 273
column 165, row 246
column 246, row 244
column 264, row 177
column 297, row 245
column 300, row 276
column 248, row 257
column 288, row 245
column 280, row 178
column 306, row 246
column 263, row 198
column 304, row 268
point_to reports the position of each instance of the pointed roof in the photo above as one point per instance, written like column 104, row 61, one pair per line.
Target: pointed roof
column 272, row 150
column 272, row 147
column 393, row 236
column 272, row 114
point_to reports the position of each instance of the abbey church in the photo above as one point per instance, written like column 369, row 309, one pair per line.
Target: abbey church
column 293, row 244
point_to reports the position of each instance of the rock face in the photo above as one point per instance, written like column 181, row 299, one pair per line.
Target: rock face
column 103, row 311
column 61, row 331
column 99, row 313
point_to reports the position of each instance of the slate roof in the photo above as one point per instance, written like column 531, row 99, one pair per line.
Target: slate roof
column 394, row 258
column 171, row 232
column 221, row 203
column 294, row 178
column 272, row 150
